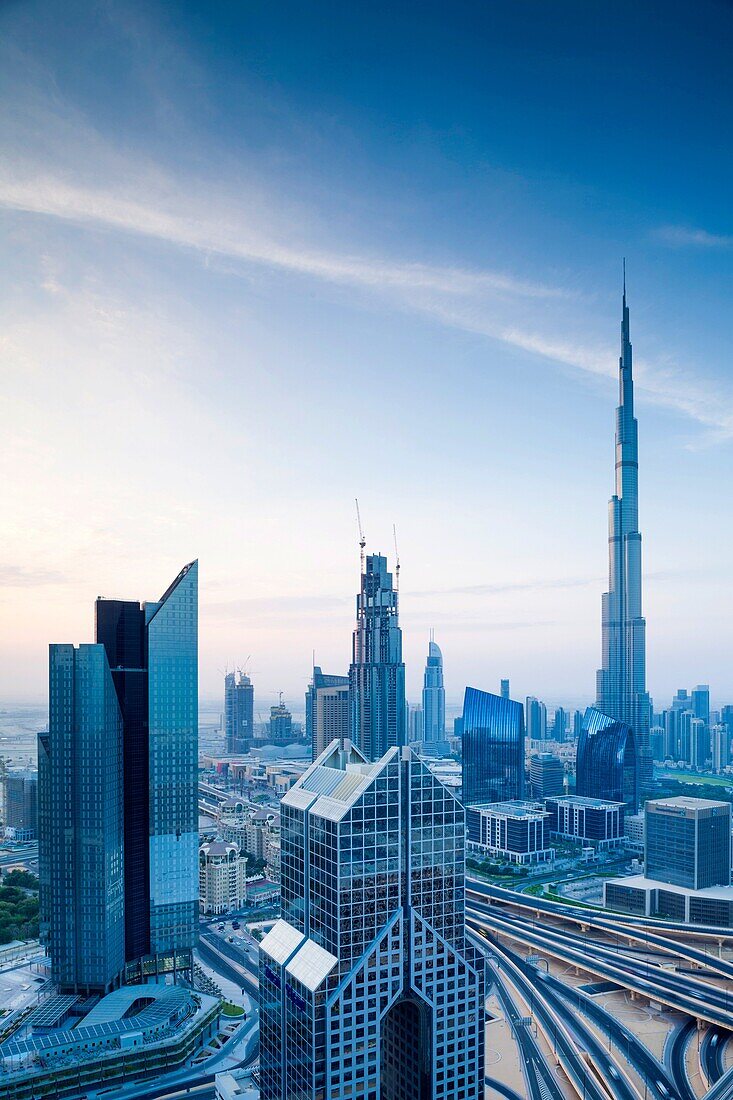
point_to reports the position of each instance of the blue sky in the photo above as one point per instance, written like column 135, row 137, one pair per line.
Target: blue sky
column 256, row 260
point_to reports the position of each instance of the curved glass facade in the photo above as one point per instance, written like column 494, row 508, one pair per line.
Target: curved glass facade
column 493, row 748
column 608, row 761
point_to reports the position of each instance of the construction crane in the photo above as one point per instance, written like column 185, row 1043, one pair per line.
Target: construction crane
column 397, row 561
column 362, row 540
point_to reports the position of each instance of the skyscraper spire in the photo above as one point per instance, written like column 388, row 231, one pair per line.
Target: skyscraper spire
column 621, row 682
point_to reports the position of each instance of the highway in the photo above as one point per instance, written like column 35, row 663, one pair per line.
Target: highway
column 712, row 1051
column 674, row 1057
column 688, row 994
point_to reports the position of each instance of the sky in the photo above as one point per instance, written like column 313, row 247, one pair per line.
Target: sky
column 257, row 260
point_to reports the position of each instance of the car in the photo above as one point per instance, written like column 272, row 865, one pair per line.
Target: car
column 235, row 924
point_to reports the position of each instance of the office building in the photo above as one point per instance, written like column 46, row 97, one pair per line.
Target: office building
column 492, row 748
column 21, row 804
column 607, row 764
column 546, row 775
column 504, row 689
column 586, row 820
column 222, row 877
column 280, row 728
column 621, row 681
column 239, row 698
column 320, row 679
column 433, row 696
column 720, row 743
column 147, row 655
column 687, row 842
column 516, row 832
column 378, row 711
column 81, row 794
column 368, row 987
column 701, row 702
column 699, row 743
column 657, row 743
column 536, row 717
column 559, row 724
column 416, row 725
column 331, row 716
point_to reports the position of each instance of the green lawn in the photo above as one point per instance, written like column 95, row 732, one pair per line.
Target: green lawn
column 229, row 1009
column 700, row 780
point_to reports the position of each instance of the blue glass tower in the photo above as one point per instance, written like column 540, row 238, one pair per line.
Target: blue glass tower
column 368, row 987
column 239, row 702
column 607, row 764
column 377, row 707
column 81, row 868
column 621, row 682
column 143, row 674
column 492, row 748
column 433, row 696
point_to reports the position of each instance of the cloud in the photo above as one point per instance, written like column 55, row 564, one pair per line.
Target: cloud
column 260, row 607
column 17, row 576
column 680, row 236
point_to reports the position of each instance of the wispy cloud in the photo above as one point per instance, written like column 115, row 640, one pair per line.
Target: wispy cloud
column 681, row 236
column 17, row 576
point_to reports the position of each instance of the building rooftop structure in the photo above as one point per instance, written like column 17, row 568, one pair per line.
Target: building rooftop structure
column 584, row 800
column 686, row 802
column 641, row 882
column 515, row 808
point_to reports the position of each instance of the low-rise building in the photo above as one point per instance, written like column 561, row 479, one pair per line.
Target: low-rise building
column 651, row 898
column 262, row 892
column 515, row 831
column 222, row 877
column 634, row 832
column 593, row 821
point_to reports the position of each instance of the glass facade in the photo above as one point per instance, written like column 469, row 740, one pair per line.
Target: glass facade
column 378, row 712
column 368, row 987
column 493, row 748
column 239, row 701
column 687, row 842
column 607, row 763
column 433, row 696
column 81, row 834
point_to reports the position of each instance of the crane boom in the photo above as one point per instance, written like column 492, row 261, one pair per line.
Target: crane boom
column 362, row 540
column 397, row 560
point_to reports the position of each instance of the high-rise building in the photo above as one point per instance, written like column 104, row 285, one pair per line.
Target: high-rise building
column 720, row 744
column 559, row 724
column 504, row 689
column 331, row 722
column 320, row 679
column 416, row 724
column 148, row 654
column 577, row 724
column 701, row 702
column 368, row 987
column 700, row 742
column 378, row 711
column 536, row 716
column 688, row 842
column 492, row 748
column 607, row 764
column 81, row 796
column 281, row 731
column 546, row 775
column 433, row 696
column 239, row 702
column 21, row 804
column 621, row 681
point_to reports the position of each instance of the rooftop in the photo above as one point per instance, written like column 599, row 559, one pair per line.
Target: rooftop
column 687, row 802
column 641, row 882
column 515, row 808
column 581, row 800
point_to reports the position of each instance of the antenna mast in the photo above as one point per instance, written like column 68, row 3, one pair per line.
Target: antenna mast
column 397, row 561
column 362, row 540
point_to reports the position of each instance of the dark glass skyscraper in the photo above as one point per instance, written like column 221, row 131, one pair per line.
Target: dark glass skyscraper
column 368, row 988
column 239, row 701
column 147, row 655
column 621, row 682
column 607, row 764
column 492, row 748
column 433, row 696
column 378, row 712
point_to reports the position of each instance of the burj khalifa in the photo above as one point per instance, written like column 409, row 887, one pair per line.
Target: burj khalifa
column 621, row 682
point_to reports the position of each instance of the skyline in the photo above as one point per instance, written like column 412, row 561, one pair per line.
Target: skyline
column 208, row 268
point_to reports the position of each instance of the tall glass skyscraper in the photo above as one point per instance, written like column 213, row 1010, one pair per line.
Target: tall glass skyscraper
column 433, row 696
column 621, row 682
column 368, row 987
column 607, row 763
column 492, row 748
column 239, row 702
column 81, row 822
column 378, row 711
column 147, row 655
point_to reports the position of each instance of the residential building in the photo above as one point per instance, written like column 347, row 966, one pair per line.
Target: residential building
column 546, row 775
column 239, row 695
column 368, row 986
column 688, row 842
column 720, row 742
column 331, row 715
column 621, row 681
column 378, row 711
column 222, row 877
column 588, row 820
column 21, row 804
column 281, row 730
column 433, row 696
column 559, row 724
column 416, row 725
column 320, row 679
column 149, row 722
column 607, row 765
column 634, row 832
column 492, row 748
column 513, row 831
